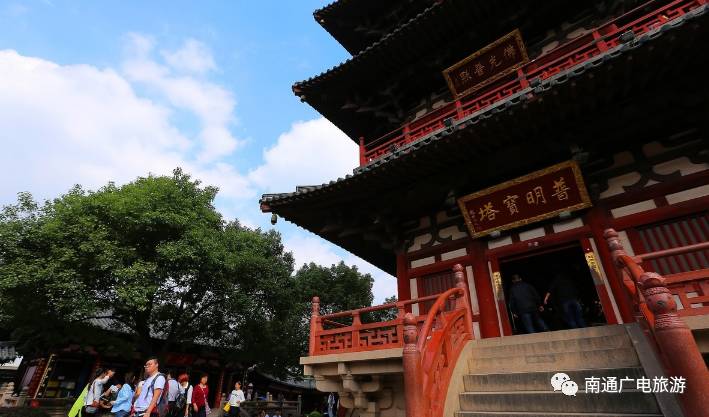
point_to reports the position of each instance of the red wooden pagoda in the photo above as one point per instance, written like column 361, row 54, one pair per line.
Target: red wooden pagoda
column 517, row 138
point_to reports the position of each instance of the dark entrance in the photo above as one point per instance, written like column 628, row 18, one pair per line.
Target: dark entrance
column 539, row 269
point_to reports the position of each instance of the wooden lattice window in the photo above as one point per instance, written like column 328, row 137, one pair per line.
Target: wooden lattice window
column 433, row 284
column 672, row 234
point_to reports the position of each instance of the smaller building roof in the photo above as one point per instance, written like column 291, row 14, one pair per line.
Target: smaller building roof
column 7, row 352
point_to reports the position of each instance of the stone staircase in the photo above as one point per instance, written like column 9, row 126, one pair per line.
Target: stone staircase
column 511, row 376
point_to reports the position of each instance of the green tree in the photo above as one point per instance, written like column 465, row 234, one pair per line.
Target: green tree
column 152, row 258
column 340, row 287
column 156, row 263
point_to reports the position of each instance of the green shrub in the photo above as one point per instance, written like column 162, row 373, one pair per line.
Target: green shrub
column 315, row 414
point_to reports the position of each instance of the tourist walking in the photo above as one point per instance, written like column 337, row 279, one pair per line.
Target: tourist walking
column 173, row 390
column 124, row 399
column 200, row 393
column 565, row 294
column 183, row 402
column 526, row 304
column 151, row 390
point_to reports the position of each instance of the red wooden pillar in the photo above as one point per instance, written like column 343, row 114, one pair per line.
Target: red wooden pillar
column 505, row 316
column 489, row 325
column 218, row 396
column 598, row 221
column 403, row 283
column 603, row 296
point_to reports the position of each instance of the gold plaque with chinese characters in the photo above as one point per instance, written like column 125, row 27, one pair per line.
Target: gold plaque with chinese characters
column 487, row 65
column 534, row 197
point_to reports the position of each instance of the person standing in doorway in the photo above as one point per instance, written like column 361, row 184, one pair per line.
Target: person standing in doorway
column 565, row 294
column 200, row 393
column 525, row 303
column 151, row 390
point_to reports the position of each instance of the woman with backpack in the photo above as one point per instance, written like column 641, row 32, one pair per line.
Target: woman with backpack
column 184, row 397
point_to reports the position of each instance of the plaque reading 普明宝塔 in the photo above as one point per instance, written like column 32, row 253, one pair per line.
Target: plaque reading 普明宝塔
column 491, row 63
column 524, row 200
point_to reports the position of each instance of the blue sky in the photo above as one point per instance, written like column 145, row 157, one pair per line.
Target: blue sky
column 98, row 91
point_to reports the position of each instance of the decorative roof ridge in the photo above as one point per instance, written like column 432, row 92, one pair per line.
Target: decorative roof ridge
column 297, row 87
column 328, row 8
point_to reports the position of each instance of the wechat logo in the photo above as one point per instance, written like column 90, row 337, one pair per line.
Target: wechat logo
column 562, row 382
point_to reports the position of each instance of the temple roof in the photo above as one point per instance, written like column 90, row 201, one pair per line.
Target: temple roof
column 601, row 104
column 374, row 91
column 358, row 24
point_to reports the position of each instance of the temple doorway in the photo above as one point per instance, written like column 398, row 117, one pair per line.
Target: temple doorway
column 541, row 269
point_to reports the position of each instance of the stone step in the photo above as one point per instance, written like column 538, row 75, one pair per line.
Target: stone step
column 548, row 401
column 596, row 331
column 554, row 346
column 540, row 381
column 602, row 358
column 536, row 414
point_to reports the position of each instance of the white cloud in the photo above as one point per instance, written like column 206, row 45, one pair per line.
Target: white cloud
column 67, row 124
column 311, row 152
column 194, row 56
column 211, row 103
column 314, row 152
column 308, row 249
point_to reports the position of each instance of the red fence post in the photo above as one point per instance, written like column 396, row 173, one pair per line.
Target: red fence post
column 673, row 336
column 362, row 151
column 314, row 325
column 356, row 324
column 412, row 368
column 464, row 300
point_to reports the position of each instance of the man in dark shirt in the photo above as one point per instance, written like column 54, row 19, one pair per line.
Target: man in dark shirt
column 565, row 295
column 526, row 304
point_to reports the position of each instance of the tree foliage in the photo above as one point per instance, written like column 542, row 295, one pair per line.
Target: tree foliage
column 156, row 262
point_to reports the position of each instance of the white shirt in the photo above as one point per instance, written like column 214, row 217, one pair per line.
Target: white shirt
column 95, row 390
column 189, row 395
column 173, row 388
column 146, row 394
column 236, row 398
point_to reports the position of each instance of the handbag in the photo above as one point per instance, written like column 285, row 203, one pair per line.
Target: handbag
column 227, row 407
column 207, row 409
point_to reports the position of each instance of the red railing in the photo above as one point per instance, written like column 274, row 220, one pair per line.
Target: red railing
column 431, row 354
column 327, row 335
column 432, row 343
column 577, row 51
column 654, row 304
